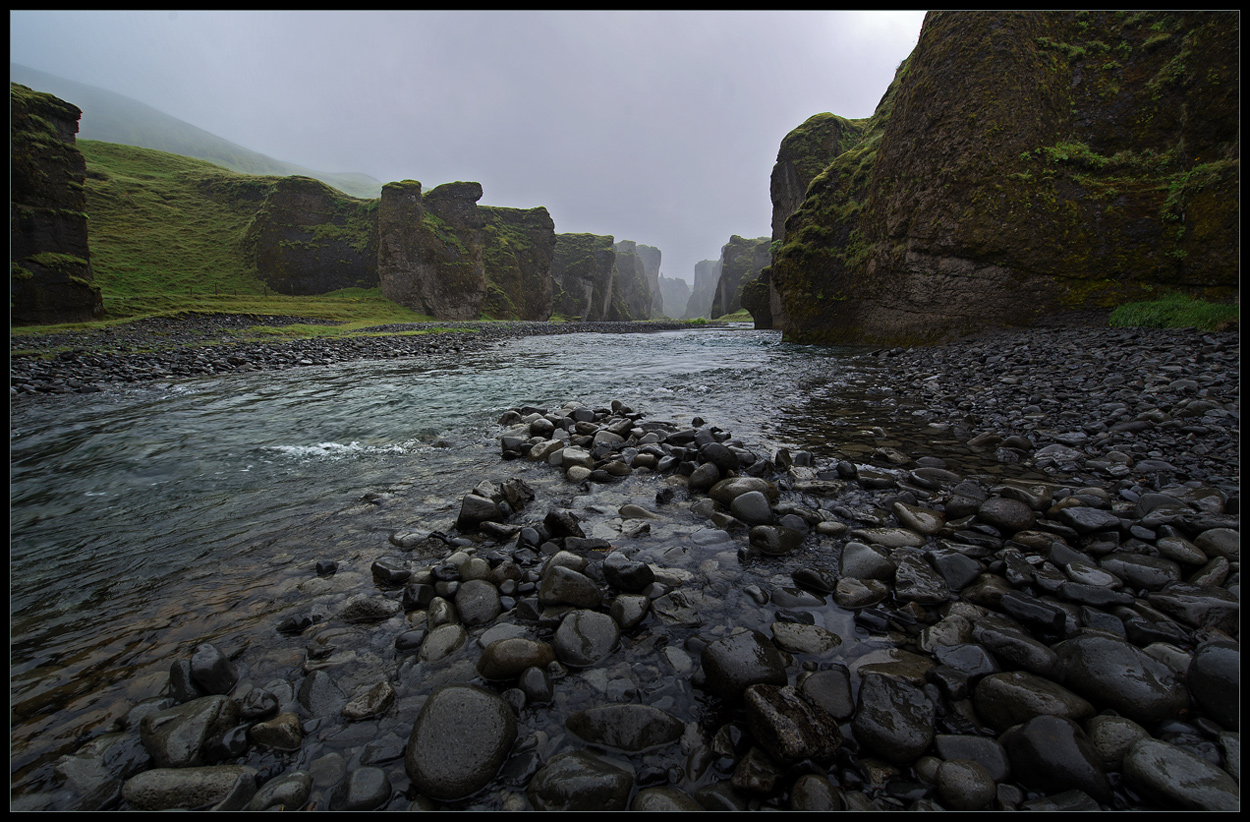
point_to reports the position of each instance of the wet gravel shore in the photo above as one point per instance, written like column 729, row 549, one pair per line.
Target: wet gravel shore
column 677, row 619
column 160, row 349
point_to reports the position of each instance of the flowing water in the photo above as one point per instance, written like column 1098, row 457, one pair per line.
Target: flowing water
column 147, row 519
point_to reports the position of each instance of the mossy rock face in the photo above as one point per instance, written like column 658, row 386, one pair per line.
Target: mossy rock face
column 1024, row 164
column 582, row 268
column 50, row 264
column 310, row 239
column 430, row 249
column 519, row 245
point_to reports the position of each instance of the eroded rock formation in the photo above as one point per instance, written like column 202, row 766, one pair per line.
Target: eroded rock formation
column 311, row 239
column 50, row 278
column 741, row 262
column 635, row 286
column 1024, row 165
column 675, row 295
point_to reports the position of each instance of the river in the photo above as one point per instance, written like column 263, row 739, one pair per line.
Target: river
column 146, row 519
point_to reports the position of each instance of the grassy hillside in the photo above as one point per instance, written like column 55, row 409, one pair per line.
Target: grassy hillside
column 115, row 118
column 169, row 234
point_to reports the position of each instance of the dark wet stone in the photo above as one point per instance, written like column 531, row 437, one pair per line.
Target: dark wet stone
column 916, row 581
column 320, row 696
column 537, row 686
column 831, row 690
column 477, row 602
column 212, row 671
column 814, row 792
column 736, row 662
column 775, row 539
column 1086, row 520
column 663, row 799
column 509, row 658
column 1051, row 754
column 628, row 727
column 458, row 742
column 1177, row 778
column 894, row 719
column 364, row 789
column 1120, row 676
column 1214, row 679
column 752, row 508
column 178, row 737
column 220, row 787
column 1008, row 515
column 561, row 522
column 965, row 785
column 586, row 638
column 580, row 781
column 627, row 574
column 564, row 586
column 1199, row 606
column 475, row 510
column 1141, row 571
column 282, row 733
column 286, row 792
column 789, row 726
column 390, row 573
column 986, row 752
column 1011, row 697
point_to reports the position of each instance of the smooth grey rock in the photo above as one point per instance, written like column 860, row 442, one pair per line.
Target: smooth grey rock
column 628, row 727
column 1051, row 754
column 287, row 792
column 508, row 658
column 1176, row 777
column 212, row 671
column 586, row 638
column 442, row 642
column 663, row 799
column 1116, row 674
column 736, row 662
column 752, row 508
column 579, row 781
column 565, row 586
column 282, row 733
column 477, row 602
column 1012, row 697
column 222, row 787
column 364, row 789
column 1214, row 679
column 458, row 742
column 965, row 785
column 798, row 638
column 1007, row 515
column 177, row 737
column 894, row 719
column 1112, row 737
column 373, row 702
column 861, row 561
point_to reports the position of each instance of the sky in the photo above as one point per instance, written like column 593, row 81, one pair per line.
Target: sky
column 656, row 127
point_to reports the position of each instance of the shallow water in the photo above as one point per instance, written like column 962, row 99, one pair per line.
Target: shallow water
column 148, row 519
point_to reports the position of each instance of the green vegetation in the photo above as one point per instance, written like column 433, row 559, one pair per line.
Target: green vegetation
column 739, row 316
column 1176, row 311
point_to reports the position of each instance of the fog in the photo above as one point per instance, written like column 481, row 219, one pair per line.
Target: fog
column 657, row 127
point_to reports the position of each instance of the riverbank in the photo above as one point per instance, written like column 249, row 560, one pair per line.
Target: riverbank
column 605, row 622
column 200, row 345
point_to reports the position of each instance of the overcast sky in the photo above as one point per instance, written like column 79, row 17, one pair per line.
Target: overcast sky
column 657, row 127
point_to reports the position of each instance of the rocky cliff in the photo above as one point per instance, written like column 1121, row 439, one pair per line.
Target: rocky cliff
column 440, row 254
column 741, row 262
column 675, row 294
column 634, row 284
column 311, row 239
column 50, row 279
column 706, row 276
column 583, row 268
column 519, row 248
column 1023, row 165
column 650, row 257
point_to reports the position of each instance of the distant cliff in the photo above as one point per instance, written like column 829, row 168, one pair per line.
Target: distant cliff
column 635, row 285
column 1022, row 165
column 50, row 279
column 741, row 262
column 706, row 277
column 598, row 279
column 675, row 294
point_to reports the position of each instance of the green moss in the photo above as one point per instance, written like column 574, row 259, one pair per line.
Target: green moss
column 1176, row 311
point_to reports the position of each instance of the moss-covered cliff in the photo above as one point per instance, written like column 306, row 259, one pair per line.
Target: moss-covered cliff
column 311, row 239
column 583, row 268
column 50, row 278
column 518, row 247
column 706, row 277
column 1024, row 164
